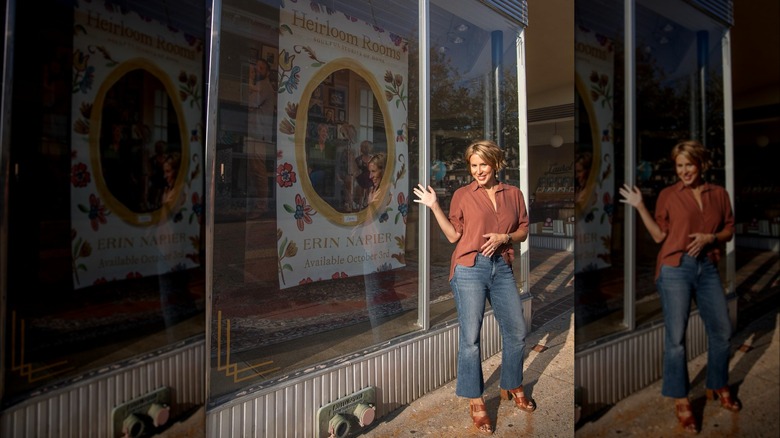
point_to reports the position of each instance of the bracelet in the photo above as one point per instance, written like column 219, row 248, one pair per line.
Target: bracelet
column 508, row 238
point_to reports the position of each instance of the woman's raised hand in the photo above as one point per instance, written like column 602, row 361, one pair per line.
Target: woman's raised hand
column 631, row 195
column 425, row 196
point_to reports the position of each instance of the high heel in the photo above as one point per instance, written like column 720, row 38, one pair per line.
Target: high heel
column 726, row 402
column 480, row 417
column 685, row 416
column 520, row 401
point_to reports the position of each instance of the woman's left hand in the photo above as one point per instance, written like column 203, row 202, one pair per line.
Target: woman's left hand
column 494, row 241
column 697, row 244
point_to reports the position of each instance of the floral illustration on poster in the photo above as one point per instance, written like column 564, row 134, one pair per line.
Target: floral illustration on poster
column 136, row 181
column 594, row 178
column 342, row 98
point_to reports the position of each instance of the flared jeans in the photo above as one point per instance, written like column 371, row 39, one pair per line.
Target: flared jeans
column 489, row 279
column 694, row 279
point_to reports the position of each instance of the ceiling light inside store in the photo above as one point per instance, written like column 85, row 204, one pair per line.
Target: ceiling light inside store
column 556, row 140
column 457, row 40
column 462, row 28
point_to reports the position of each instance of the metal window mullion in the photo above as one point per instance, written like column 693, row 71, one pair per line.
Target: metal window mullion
column 212, row 105
column 423, row 240
column 629, row 241
column 728, row 134
column 522, row 124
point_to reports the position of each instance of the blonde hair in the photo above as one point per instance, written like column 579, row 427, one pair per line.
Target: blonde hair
column 694, row 151
column 489, row 152
column 379, row 160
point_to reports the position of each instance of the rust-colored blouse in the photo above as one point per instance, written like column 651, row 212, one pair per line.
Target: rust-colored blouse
column 472, row 214
column 678, row 215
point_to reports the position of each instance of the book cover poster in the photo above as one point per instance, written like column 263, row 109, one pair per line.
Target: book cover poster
column 595, row 178
column 136, row 181
column 342, row 100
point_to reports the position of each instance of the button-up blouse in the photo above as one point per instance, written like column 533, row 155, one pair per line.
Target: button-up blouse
column 472, row 214
column 678, row 215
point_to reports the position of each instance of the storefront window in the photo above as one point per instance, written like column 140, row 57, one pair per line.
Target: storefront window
column 315, row 252
column 474, row 95
column 316, row 248
column 598, row 249
column 679, row 77
column 106, row 195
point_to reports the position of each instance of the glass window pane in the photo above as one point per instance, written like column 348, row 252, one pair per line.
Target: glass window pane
column 315, row 252
column 106, row 250
column 679, row 78
column 598, row 251
column 467, row 40
column 680, row 97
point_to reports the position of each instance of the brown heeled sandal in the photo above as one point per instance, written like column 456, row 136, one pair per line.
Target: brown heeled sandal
column 726, row 402
column 480, row 417
column 520, row 401
column 685, row 417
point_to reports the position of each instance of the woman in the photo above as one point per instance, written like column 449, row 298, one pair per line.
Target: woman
column 692, row 217
column 485, row 217
column 170, row 172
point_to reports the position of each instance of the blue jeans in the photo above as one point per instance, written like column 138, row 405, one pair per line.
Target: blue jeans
column 492, row 279
column 699, row 279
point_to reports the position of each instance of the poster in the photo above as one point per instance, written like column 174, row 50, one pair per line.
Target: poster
column 342, row 100
column 593, row 166
column 136, row 181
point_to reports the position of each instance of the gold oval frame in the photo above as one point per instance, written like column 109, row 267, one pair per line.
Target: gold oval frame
column 301, row 127
column 116, row 206
column 595, row 169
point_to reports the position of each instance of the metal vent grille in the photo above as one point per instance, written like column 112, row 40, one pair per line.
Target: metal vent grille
column 551, row 113
column 516, row 10
column 83, row 409
column 722, row 10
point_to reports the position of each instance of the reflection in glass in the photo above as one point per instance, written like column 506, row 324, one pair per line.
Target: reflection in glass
column 461, row 78
column 337, row 151
column 64, row 332
column 337, row 126
column 132, row 158
column 673, row 103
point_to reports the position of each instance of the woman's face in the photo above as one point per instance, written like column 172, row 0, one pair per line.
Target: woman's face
column 375, row 173
column 687, row 170
column 170, row 174
column 580, row 173
column 482, row 172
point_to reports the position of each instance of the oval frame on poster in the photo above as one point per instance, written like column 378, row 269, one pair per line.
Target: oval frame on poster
column 301, row 122
column 581, row 203
column 116, row 206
